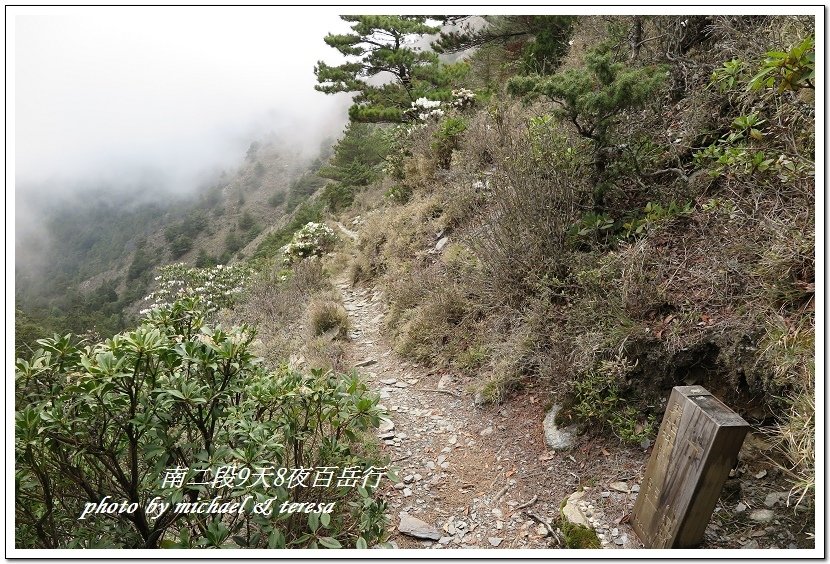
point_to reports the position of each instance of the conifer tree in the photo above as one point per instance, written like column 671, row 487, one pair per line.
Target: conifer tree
column 380, row 46
column 592, row 98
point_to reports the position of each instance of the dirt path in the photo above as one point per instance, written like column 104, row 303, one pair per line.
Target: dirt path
column 348, row 232
column 482, row 476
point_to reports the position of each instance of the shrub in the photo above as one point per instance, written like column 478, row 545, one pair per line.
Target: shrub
column 314, row 239
column 399, row 193
column 277, row 199
column 523, row 249
column 180, row 245
column 591, row 98
column 359, row 269
column 274, row 301
column 447, row 139
column 232, row 242
column 597, row 399
column 183, row 413
column 338, row 196
column 788, row 70
column 216, row 287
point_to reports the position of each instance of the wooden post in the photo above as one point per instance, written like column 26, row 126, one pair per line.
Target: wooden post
column 697, row 445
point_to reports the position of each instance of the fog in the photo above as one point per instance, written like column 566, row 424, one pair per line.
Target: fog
column 122, row 96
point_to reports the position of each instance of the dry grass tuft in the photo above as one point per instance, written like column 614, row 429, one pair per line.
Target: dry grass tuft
column 359, row 269
column 796, row 436
column 326, row 317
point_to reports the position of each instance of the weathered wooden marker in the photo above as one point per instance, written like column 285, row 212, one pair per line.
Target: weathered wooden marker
column 698, row 443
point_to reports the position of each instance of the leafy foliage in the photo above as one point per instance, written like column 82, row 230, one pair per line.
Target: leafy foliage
column 216, row 288
column 788, row 70
column 109, row 418
column 447, row 139
column 654, row 213
column 313, row 240
column 598, row 399
column 748, row 148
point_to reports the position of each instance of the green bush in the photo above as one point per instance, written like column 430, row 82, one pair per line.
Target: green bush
column 232, row 242
column 338, row 196
column 216, row 287
column 277, row 199
column 314, row 239
column 272, row 243
column 180, row 245
column 447, row 139
column 399, row 193
column 592, row 98
column 788, row 70
column 598, row 399
column 178, row 412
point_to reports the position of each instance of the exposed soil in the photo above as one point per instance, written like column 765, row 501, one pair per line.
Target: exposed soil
column 484, row 477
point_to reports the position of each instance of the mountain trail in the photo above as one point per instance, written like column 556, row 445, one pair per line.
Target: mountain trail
column 482, row 476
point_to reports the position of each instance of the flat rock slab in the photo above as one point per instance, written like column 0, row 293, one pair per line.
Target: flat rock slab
column 620, row 487
column 414, row 527
column 571, row 511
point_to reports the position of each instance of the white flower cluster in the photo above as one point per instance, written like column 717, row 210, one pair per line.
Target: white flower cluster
column 313, row 239
column 463, row 98
column 216, row 287
column 427, row 109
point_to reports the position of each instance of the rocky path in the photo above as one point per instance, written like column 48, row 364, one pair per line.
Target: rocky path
column 474, row 477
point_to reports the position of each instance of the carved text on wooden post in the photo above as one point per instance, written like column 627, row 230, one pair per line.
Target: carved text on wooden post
column 698, row 443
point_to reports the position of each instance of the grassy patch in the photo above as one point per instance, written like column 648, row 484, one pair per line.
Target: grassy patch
column 328, row 317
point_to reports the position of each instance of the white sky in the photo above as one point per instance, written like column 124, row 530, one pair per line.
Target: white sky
column 103, row 91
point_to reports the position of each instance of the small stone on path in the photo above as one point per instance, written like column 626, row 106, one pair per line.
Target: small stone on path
column 385, row 426
column 762, row 515
column 775, row 498
column 417, row 528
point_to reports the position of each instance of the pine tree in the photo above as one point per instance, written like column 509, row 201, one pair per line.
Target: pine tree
column 592, row 98
column 379, row 47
